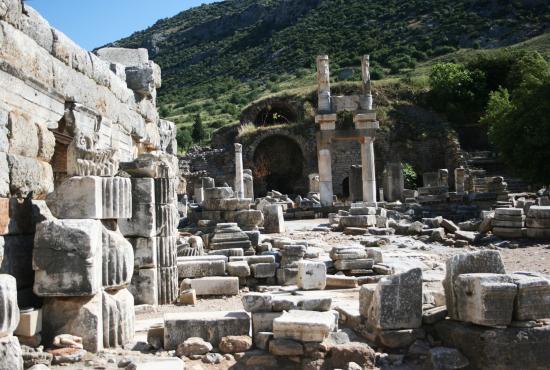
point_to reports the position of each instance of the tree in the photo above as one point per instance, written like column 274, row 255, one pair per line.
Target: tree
column 198, row 134
column 519, row 123
column 183, row 137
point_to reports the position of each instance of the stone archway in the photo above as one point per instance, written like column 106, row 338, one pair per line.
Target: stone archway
column 278, row 165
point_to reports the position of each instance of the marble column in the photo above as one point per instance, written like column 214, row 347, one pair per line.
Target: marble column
column 325, row 177
column 248, row 179
column 369, row 173
column 239, row 175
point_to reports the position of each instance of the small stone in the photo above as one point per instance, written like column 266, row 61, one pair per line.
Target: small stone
column 67, row 355
column 235, row 344
column 257, row 302
column 193, row 346
column 187, row 297
column 212, row 358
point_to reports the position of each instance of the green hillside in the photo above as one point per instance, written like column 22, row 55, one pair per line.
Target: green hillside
column 218, row 58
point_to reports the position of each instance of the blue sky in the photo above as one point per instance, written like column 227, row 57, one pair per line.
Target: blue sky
column 93, row 23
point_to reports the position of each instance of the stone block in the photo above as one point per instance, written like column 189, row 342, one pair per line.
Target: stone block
column 118, row 318
column 252, row 260
column 10, row 349
column 508, row 212
column 355, row 264
column 347, row 253
column 297, row 302
column 188, row 297
column 9, row 310
column 167, row 219
column 218, row 193
column 118, row 257
column 274, row 222
column 143, row 190
column 167, row 284
column 227, row 204
column 198, row 269
column 286, row 347
column 126, row 57
column 541, row 234
column 489, row 348
column 507, row 224
column 366, row 295
column 311, row 275
column 153, row 165
column 210, row 326
column 67, row 258
column 263, row 270
column 23, row 138
column 37, row 28
column 467, row 263
column 485, row 299
column 11, row 11
column 533, row 296
column 165, row 190
column 79, row 316
column 144, row 286
column 397, row 302
column 4, row 173
column 167, row 253
column 92, row 197
column 364, row 221
column 341, row 281
column 509, row 233
column 263, row 321
column 238, row 268
column 28, row 175
column 305, row 326
column 141, row 79
column 449, row 226
column 145, row 252
column 257, row 302
column 222, row 286
column 142, row 223
column 442, row 358
column 262, row 339
column 30, row 323
column 537, row 223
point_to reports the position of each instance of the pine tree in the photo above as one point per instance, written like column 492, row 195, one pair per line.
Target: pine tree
column 198, row 134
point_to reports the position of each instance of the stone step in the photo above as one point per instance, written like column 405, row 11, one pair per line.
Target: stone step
column 213, row 285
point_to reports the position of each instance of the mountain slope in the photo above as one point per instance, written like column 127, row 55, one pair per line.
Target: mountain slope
column 219, row 57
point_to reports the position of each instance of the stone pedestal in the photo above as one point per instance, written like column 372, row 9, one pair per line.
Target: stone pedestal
column 394, row 182
column 239, row 177
column 248, row 184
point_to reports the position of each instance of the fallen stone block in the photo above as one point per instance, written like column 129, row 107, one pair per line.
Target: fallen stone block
column 485, row 299
column 311, row 275
column 238, row 268
column 508, row 212
column 363, row 221
column 286, row 347
column 449, row 226
column 341, row 281
column 263, row 270
column 347, row 253
column 297, row 302
column 475, row 262
column 397, row 302
column 355, row 264
column 201, row 269
column 274, row 222
column 257, row 302
column 402, row 338
column 30, row 323
column 210, row 326
column 262, row 339
column 145, row 252
column 533, row 296
column 235, row 344
column 263, row 321
column 540, row 234
column 67, row 258
column 223, row 286
column 305, row 326
column 80, row 316
column 489, row 348
column 187, row 297
column 360, row 353
column 507, row 224
column 9, row 310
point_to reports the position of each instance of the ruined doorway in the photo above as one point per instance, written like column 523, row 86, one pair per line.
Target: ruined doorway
column 345, row 188
column 278, row 165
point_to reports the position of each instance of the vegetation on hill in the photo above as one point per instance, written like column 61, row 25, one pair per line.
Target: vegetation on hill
column 218, row 58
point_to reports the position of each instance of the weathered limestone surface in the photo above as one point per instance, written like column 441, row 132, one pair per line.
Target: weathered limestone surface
column 10, row 349
column 311, row 275
column 92, row 197
column 126, row 57
column 489, row 348
column 167, row 284
column 118, row 257
column 210, row 326
column 67, row 258
column 118, row 318
column 9, row 310
column 305, row 326
column 396, row 302
column 485, row 299
column 166, row 251
column 198, row 269
column 144, row 286
column 145, row 252
column 468, row 263
column 29, row 175
column 213, row 285
column 80, row 316
column 142, row 223
column 274, row 221
column 533, row 296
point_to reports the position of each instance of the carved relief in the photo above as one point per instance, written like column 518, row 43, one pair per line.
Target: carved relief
column 85, row 159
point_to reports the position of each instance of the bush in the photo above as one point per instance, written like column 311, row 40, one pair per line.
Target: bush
column 410, row 175
column 183, row 137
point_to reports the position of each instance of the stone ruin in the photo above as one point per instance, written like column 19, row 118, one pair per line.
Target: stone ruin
column 97, row 232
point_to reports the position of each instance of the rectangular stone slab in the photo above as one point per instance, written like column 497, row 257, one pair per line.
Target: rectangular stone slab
column 227, row 285
column 210, row 326
column 305, row 326
column 198, row 269
column 533, row 299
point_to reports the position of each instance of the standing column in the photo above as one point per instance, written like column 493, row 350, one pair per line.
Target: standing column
column 239, row 176
column 325, row 177
column 369, row 173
